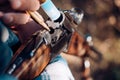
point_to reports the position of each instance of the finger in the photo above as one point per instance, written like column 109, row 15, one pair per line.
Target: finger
column 15, row 18
column 25, row 4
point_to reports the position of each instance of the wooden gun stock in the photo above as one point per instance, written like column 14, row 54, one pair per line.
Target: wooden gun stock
column 29, row 61
column 32, row 68
column 78, row 45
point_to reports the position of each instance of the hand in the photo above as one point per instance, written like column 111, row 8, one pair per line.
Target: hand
column 12, row 12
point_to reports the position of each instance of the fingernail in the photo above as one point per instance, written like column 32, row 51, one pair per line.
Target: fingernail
column 15, row 3
column 7, row 18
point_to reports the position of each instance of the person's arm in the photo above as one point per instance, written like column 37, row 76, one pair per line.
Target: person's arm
column 12, row 13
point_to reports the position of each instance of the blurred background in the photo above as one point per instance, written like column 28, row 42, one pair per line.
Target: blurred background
column 102, row 21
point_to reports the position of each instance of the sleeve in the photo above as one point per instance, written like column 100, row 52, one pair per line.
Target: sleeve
column 7, row 39
column 56, row 70
column 7, row 36
column 7, row 77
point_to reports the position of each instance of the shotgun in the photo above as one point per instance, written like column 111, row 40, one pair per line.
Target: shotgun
column 34, row 55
